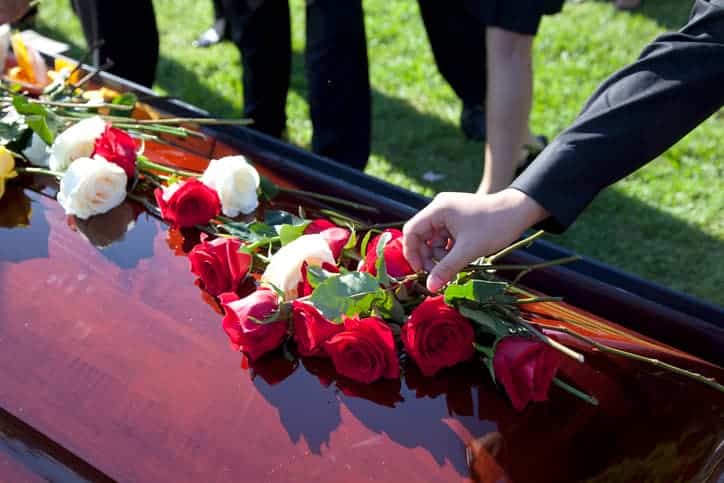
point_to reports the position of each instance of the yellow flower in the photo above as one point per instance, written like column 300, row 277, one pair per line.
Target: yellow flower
column 7, row 168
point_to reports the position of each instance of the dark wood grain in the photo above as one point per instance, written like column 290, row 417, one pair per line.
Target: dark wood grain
column 115, row 356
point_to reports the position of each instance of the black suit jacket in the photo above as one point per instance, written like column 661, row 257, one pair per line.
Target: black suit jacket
column 634, row 116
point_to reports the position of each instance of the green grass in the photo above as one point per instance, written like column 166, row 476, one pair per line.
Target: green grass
column 664, row 223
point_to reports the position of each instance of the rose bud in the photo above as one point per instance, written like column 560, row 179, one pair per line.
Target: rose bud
column 236, row 181
column 91, row 187
column 285, row 268
column 335, row 236
column 188, row 203
column 311, row 329
column 364, row 351
column 396, row 263
column 219, row 264
column 526, row 368
column 78, row 141
column 437, row 336
column 117, row 147
column 246, row 322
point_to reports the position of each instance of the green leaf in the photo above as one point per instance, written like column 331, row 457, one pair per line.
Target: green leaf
column 352, row 240
column 485, row 320
column 382, row 276
column 254, row 232
column 125, row 99
column 351, row 294
column 365, row 242
column 317, row 275
column 480, row 291
column 289, row 233
column 41, row 120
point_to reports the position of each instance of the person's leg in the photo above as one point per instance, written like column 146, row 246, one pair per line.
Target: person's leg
column 457, row 40
column 134, row 56
column 262, row 32
column 339, row 90
column 510, row 94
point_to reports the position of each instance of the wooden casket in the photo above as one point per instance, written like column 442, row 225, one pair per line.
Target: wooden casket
column 113, row 364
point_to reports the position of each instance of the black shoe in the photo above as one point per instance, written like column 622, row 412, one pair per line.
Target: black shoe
column 472, row 122
column 213, row 35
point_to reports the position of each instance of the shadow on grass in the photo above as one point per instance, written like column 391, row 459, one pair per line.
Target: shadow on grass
column 670, row 14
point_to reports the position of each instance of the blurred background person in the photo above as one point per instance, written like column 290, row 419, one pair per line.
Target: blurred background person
column 135, row 55
column 219, row 30
column 511, row 28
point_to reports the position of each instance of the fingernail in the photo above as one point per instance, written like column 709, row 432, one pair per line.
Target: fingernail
column 434, row 283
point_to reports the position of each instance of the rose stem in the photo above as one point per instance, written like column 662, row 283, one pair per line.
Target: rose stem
column 144, row 162
column 519, row 244
column 526, row 268
column 637, row 357
column 39, row 171
column 575, row 392
column 551, row 342
column 331, row 199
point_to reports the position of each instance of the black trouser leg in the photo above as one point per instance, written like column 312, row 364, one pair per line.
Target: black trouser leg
column 129, row 34
column 457, row 39
column 262, row 32
column 339, row 87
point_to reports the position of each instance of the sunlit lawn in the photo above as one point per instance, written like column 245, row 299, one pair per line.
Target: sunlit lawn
column 665, row 223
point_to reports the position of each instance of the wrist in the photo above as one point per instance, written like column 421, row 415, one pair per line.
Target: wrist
column 523, row 207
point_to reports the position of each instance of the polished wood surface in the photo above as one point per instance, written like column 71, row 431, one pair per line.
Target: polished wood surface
column 113, row 365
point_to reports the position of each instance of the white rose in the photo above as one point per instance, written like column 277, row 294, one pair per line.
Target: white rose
column 38, row 152
column 236, row 181
column 78, row 141
column 285, row 268
column 92, row 186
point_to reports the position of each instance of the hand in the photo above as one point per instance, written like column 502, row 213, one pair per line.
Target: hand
column 457, row 228
column 11, row 10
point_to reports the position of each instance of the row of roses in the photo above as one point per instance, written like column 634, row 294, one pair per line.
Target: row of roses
column 96, row 163
column 365, row 348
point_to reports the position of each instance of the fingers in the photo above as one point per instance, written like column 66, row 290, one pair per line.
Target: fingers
column 417, row 232
column 449, row 265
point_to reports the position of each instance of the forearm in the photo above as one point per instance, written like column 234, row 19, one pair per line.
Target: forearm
column 633, row 117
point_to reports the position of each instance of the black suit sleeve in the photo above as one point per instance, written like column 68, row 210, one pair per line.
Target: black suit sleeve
column 634, row 116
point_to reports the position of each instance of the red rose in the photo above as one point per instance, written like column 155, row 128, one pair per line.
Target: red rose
column 437, row 336
column 305, row 288
column 219, row 264
column 243, row 322
column 525, row 367
column 117, row 147
column 311, row 329
column 364, row 351
column 335, row 236
column 188, row 203
column 397, row 264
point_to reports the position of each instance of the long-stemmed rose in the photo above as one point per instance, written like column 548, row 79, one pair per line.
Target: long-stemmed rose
column 247, row 325
column 78, row 141
column 285, row 268
column 219, row 264
column 395, row 261
column 311, row 329
column 118, row 147
column 236, row 181
column 437, row 336
column 92, row 186
column 188, row 203
column 364, row 351
column 525, row 367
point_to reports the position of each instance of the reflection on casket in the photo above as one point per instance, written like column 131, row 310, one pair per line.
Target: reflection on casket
column 114, row 366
